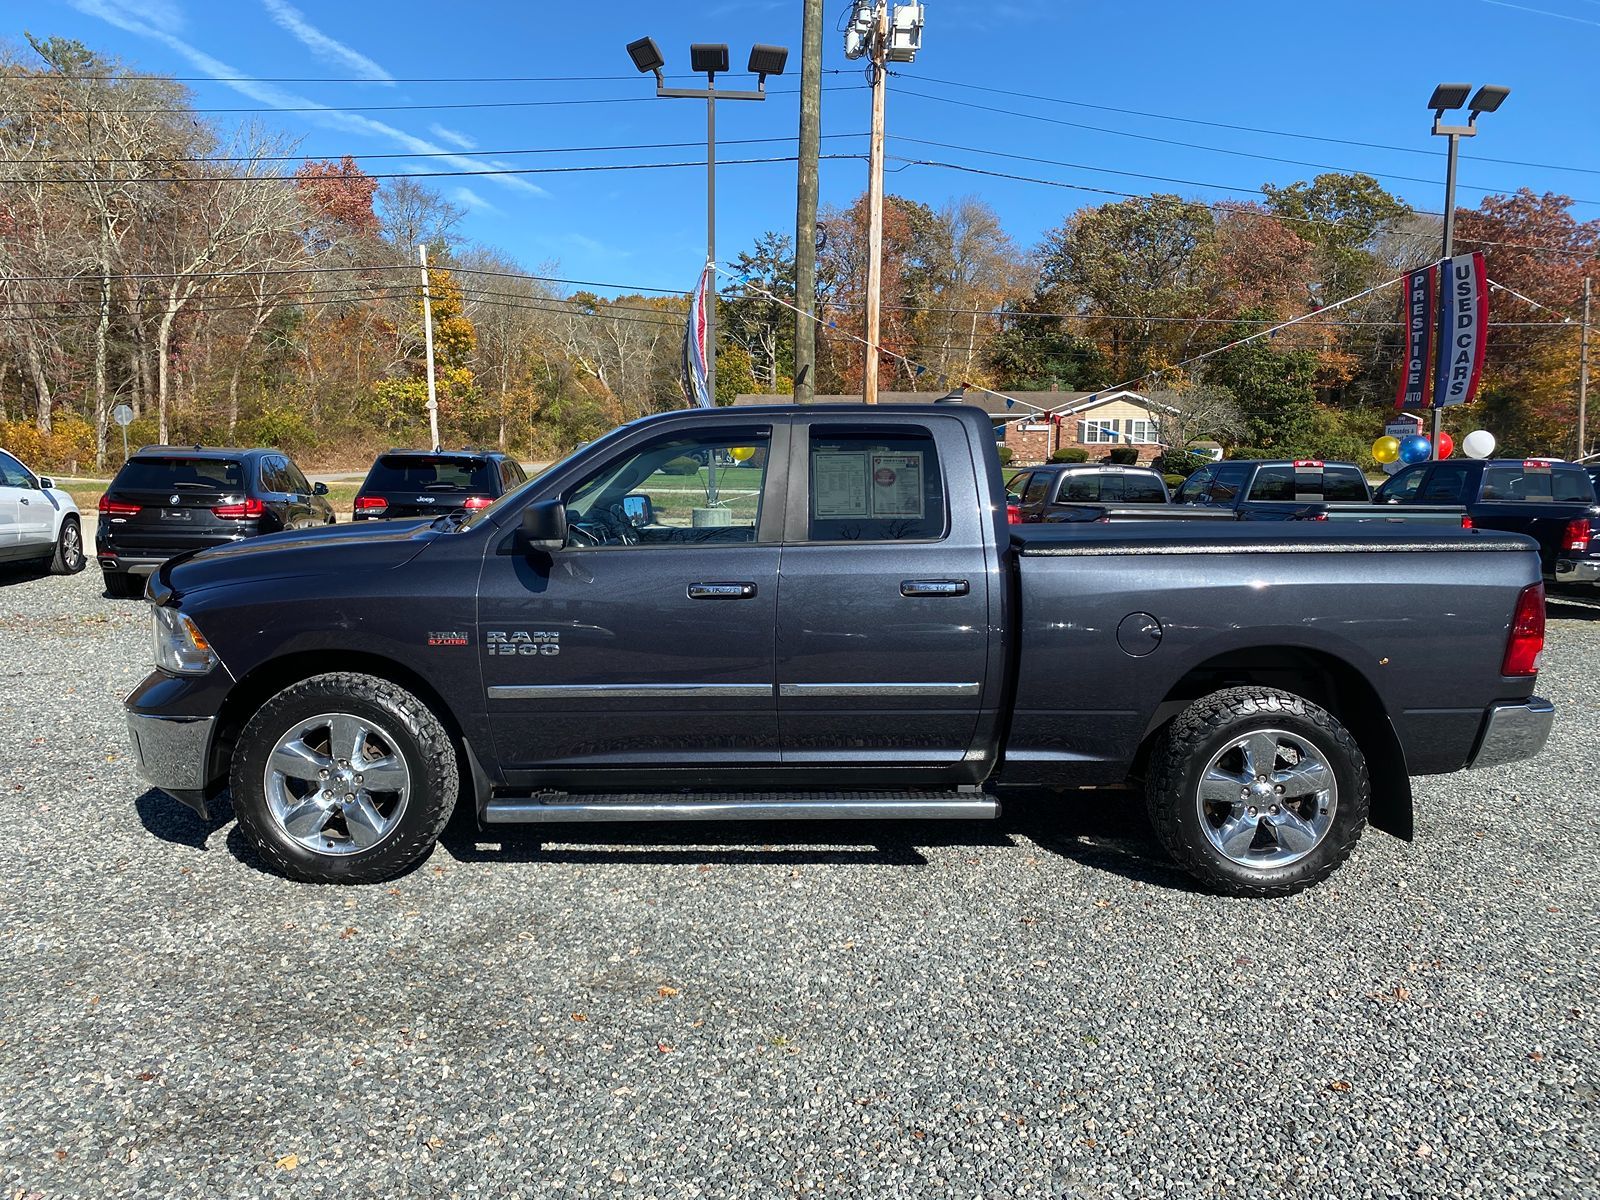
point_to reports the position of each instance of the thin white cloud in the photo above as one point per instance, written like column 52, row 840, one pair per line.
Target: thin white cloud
column 330, row 50
column 470, row 199
column 1542, row 12
column 457, row 139
column 127, row 15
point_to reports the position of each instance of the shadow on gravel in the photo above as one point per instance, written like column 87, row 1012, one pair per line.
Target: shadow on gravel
column 1107, row 831
column 12, row 573
column 1568, row 606
column 178, row 823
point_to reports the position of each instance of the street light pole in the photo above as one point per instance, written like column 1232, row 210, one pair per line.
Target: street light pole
column 1447, row 97
column 710, row 60
column 880, row 85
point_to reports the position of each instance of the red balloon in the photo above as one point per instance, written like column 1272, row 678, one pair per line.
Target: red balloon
column 1447, row 444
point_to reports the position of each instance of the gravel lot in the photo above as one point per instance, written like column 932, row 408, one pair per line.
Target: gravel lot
column 1034, row 1007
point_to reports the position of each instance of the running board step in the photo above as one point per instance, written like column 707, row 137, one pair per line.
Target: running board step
column 962, row 804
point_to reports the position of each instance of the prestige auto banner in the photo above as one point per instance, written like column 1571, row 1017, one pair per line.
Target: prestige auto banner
column 1463, row 329
column 1417, row 315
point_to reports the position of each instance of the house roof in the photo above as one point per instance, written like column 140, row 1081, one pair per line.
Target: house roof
column 1066, row 403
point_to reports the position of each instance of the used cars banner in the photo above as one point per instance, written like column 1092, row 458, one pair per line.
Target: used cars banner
column 1463, row 329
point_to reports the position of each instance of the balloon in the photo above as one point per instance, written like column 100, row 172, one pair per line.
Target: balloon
column 742, row 453
column 1478, row 444
column 1447, row 444
column 1386, row 449
column 1415, row 449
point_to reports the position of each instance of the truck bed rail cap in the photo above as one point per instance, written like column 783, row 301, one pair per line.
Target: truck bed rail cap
column 1083, row 541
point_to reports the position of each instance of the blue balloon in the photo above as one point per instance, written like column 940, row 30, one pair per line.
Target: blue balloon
column 1415, row 449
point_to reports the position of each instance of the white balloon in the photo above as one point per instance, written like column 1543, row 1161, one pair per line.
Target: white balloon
column 1478, row 444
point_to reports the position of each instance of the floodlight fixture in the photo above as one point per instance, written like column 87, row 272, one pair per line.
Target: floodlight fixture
column 708, row 58
column 1447, row 96
column 767, row 60
column 1488, row 98
column 646, row 55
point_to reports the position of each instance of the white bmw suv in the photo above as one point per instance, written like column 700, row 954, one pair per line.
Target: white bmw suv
column 38, row 522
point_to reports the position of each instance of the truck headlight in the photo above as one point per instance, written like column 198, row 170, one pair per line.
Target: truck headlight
column 180, row 646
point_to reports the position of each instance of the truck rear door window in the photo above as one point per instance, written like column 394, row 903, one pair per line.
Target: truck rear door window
column 868, row 485
column 1139, row 488
column 1080, row 487
column 1273, row 483
column 1345, row 484
column 1445, row 485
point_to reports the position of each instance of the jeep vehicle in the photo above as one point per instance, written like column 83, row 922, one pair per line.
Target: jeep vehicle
column 842, row 626
column 169, row 499
column 39, row 523
column 426, row 483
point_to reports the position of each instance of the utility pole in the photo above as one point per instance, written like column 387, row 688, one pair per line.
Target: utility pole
column 711, row 240
column 805, row 211
column 880, row 84
column 1583, row 371
column 427, row 338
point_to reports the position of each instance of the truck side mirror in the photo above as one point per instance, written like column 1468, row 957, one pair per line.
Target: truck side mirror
column 544, row 526
column 319, row 489
column 639, row 509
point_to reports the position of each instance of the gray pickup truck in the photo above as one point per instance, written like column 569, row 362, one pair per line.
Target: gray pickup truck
column 806, row 612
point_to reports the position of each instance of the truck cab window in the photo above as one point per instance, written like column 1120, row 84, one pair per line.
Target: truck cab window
column 869, row 485
column 694, row 489
column 1273, row 483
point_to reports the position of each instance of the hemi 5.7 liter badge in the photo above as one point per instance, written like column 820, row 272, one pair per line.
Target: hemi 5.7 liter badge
column 447, row 637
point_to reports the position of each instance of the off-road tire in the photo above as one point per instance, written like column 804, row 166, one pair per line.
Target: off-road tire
column 63, row 561
column 124, row 585
column 1185, row 746
column 423, row 741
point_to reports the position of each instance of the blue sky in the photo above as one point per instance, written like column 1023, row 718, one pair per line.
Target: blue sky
column 1360, row 71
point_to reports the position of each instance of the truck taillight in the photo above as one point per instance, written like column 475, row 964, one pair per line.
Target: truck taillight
column 477, row 502
column 1576, row 538
column 116, row 508
column 1013, row 514
column 371, row 504
column 243, row 510
column 1466, row 521
column 1526, row 642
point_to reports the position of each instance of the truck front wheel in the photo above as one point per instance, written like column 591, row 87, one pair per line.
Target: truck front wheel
column 1257, row 792
column 343, row 778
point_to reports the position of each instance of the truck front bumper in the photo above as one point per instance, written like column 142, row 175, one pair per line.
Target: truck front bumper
column 1578, row 570
column 1513, row 731
column 172, row 753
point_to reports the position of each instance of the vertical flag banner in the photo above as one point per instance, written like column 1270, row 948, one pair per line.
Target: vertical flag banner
column 1417, row 316
column 695, row 385
column 1463, row 337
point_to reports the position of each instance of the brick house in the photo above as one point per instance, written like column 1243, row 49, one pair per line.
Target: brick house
column 1036, row 424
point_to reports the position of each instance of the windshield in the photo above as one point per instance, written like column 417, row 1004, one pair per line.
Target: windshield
column 161, row 474
column 429, row 473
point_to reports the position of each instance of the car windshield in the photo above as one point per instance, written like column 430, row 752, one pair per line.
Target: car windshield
column 161, row 473
column 430, row 473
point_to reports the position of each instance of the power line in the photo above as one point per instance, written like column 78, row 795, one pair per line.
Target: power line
column 1150, row 137
column 485, row 154
column 460, row 174
column 364, row 108
column 1310, row 137
column 157, row 78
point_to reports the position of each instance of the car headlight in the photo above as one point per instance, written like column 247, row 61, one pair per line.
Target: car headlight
column 180, row 646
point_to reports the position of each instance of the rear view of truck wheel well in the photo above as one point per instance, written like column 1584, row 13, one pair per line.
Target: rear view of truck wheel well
column 1325, row 681
column 251, row 692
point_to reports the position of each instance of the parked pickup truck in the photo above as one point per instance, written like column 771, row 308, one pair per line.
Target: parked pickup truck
column 1552, row 502
column 1299, row 490
column 842, row 625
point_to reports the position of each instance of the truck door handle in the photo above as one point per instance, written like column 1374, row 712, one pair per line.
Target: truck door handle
column 721, row 591
column 933, row 587
column 22, row 500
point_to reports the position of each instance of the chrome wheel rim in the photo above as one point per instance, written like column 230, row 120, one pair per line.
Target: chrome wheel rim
column 71, row 547
column 1267, row 799
column 337, row 784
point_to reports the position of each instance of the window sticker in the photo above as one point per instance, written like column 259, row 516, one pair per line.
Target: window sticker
column 839, row 483
column 897, row 485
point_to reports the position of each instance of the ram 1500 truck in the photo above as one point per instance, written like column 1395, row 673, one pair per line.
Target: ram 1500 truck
column 1299, row 490
column 791, row 612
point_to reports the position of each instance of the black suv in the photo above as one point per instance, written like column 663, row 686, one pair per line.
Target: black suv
column 430, row 483
column 168, row 499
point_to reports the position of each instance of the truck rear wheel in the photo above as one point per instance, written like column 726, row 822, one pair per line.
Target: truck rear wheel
column 344, row 778
column 1257, row 792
